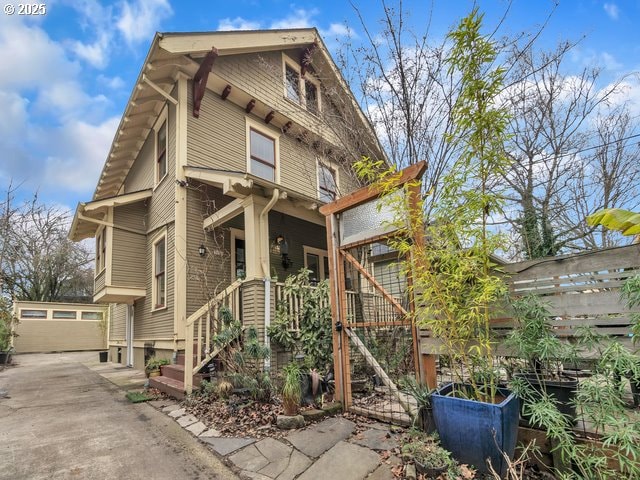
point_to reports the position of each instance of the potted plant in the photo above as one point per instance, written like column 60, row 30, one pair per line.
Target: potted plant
column 454, row 277
column 291, row 388
column 7, row 331
column 429, row 458
column 152, row 368
column 532, row 339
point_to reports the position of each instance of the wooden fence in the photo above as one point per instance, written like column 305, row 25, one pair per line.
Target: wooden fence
column 581, row 290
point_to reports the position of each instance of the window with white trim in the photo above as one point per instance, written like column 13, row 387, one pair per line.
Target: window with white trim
column 327, row 184
column 317, row 261
column 161, row 148
column 301, row 89
column 160, row 273
column 101, row 250
column 292, row 83
column 262, row 155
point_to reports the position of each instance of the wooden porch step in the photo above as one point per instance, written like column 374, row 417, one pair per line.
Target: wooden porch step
column 176, row 372
column 170, row 386
column 181, row 357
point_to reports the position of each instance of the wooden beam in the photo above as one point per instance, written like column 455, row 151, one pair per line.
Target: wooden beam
column 269, row 117
column 349, row 258
column 200, row 80
column 364, row 194
column 225, row 214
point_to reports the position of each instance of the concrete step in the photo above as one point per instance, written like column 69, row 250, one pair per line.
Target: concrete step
column 176, row 372
column 170, row 386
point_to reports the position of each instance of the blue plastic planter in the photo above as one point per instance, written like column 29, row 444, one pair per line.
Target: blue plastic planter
column 476, row 431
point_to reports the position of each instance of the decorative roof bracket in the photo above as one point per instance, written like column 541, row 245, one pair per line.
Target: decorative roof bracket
column 200, row 80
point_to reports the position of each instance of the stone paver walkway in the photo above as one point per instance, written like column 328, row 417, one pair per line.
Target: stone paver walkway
column 328, row 449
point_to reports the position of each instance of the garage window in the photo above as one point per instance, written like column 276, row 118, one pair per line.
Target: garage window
column 33, row 314
column 62, row 314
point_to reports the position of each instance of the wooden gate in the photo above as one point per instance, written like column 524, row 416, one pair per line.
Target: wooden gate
column 375, row 345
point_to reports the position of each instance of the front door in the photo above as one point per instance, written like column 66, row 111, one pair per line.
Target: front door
column 238, row 257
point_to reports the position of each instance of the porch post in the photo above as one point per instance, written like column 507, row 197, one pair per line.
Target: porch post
column 254, row 239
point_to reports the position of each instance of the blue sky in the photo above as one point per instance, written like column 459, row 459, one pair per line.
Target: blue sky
column 65, row 76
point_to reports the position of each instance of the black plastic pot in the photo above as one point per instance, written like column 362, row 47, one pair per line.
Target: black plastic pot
column 5, row 358
column 425, row 419
column 428, row 470
column 104, row 356
column 563, row 391
column 635, row 390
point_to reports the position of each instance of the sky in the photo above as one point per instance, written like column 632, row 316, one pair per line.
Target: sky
column 67, row 69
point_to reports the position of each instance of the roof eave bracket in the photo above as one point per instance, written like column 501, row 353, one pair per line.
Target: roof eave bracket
column 158, row 89
column 200, row 80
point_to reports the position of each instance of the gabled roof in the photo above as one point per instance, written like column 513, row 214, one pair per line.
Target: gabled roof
column 172, row 53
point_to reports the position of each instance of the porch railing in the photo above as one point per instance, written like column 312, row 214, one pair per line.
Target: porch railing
column 204, row 323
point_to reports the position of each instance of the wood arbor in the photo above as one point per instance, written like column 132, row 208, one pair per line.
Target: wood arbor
column 369, row 304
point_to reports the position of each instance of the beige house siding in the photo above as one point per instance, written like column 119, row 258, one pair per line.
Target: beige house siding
column 118, row 321
column 128, row 264
column 99, row 281
column 209, row 275
column 162, row 203
column 253, row 305
column 140, row 176
column 50, row 334
column 157, row 324
column 217, row 138
column 262, row 75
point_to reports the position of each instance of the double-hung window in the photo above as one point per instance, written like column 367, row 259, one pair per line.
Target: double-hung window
column 101, row 251
column 292, row 83
column 160, row 273
column 303, row 90
column 262, row 155
column 327, row 185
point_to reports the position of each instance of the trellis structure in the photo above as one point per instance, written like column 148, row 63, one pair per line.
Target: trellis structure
column 374, row 334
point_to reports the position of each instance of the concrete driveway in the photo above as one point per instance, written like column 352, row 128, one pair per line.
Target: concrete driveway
column 64, row 421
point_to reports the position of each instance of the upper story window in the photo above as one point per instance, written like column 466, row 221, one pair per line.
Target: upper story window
column 304, row 90
column 292, row 83
column 161, row 145
column 327, row 184
column 101, row 250
column 160, row 273
column 263, row 152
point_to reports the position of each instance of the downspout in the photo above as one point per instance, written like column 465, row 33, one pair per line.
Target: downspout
column 264, row 249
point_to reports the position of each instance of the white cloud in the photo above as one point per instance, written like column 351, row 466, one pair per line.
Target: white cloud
column 95, row 53
column 237, row 23
column 612, row 10
column 590, row 58
column 299, row 18
column 338, row 30
column 140, row 19
column 13, row 120
column 82, row 148
column 29, row 58
column 114, row 83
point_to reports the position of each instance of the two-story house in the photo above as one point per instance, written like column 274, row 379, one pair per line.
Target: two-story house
column 228, row 145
